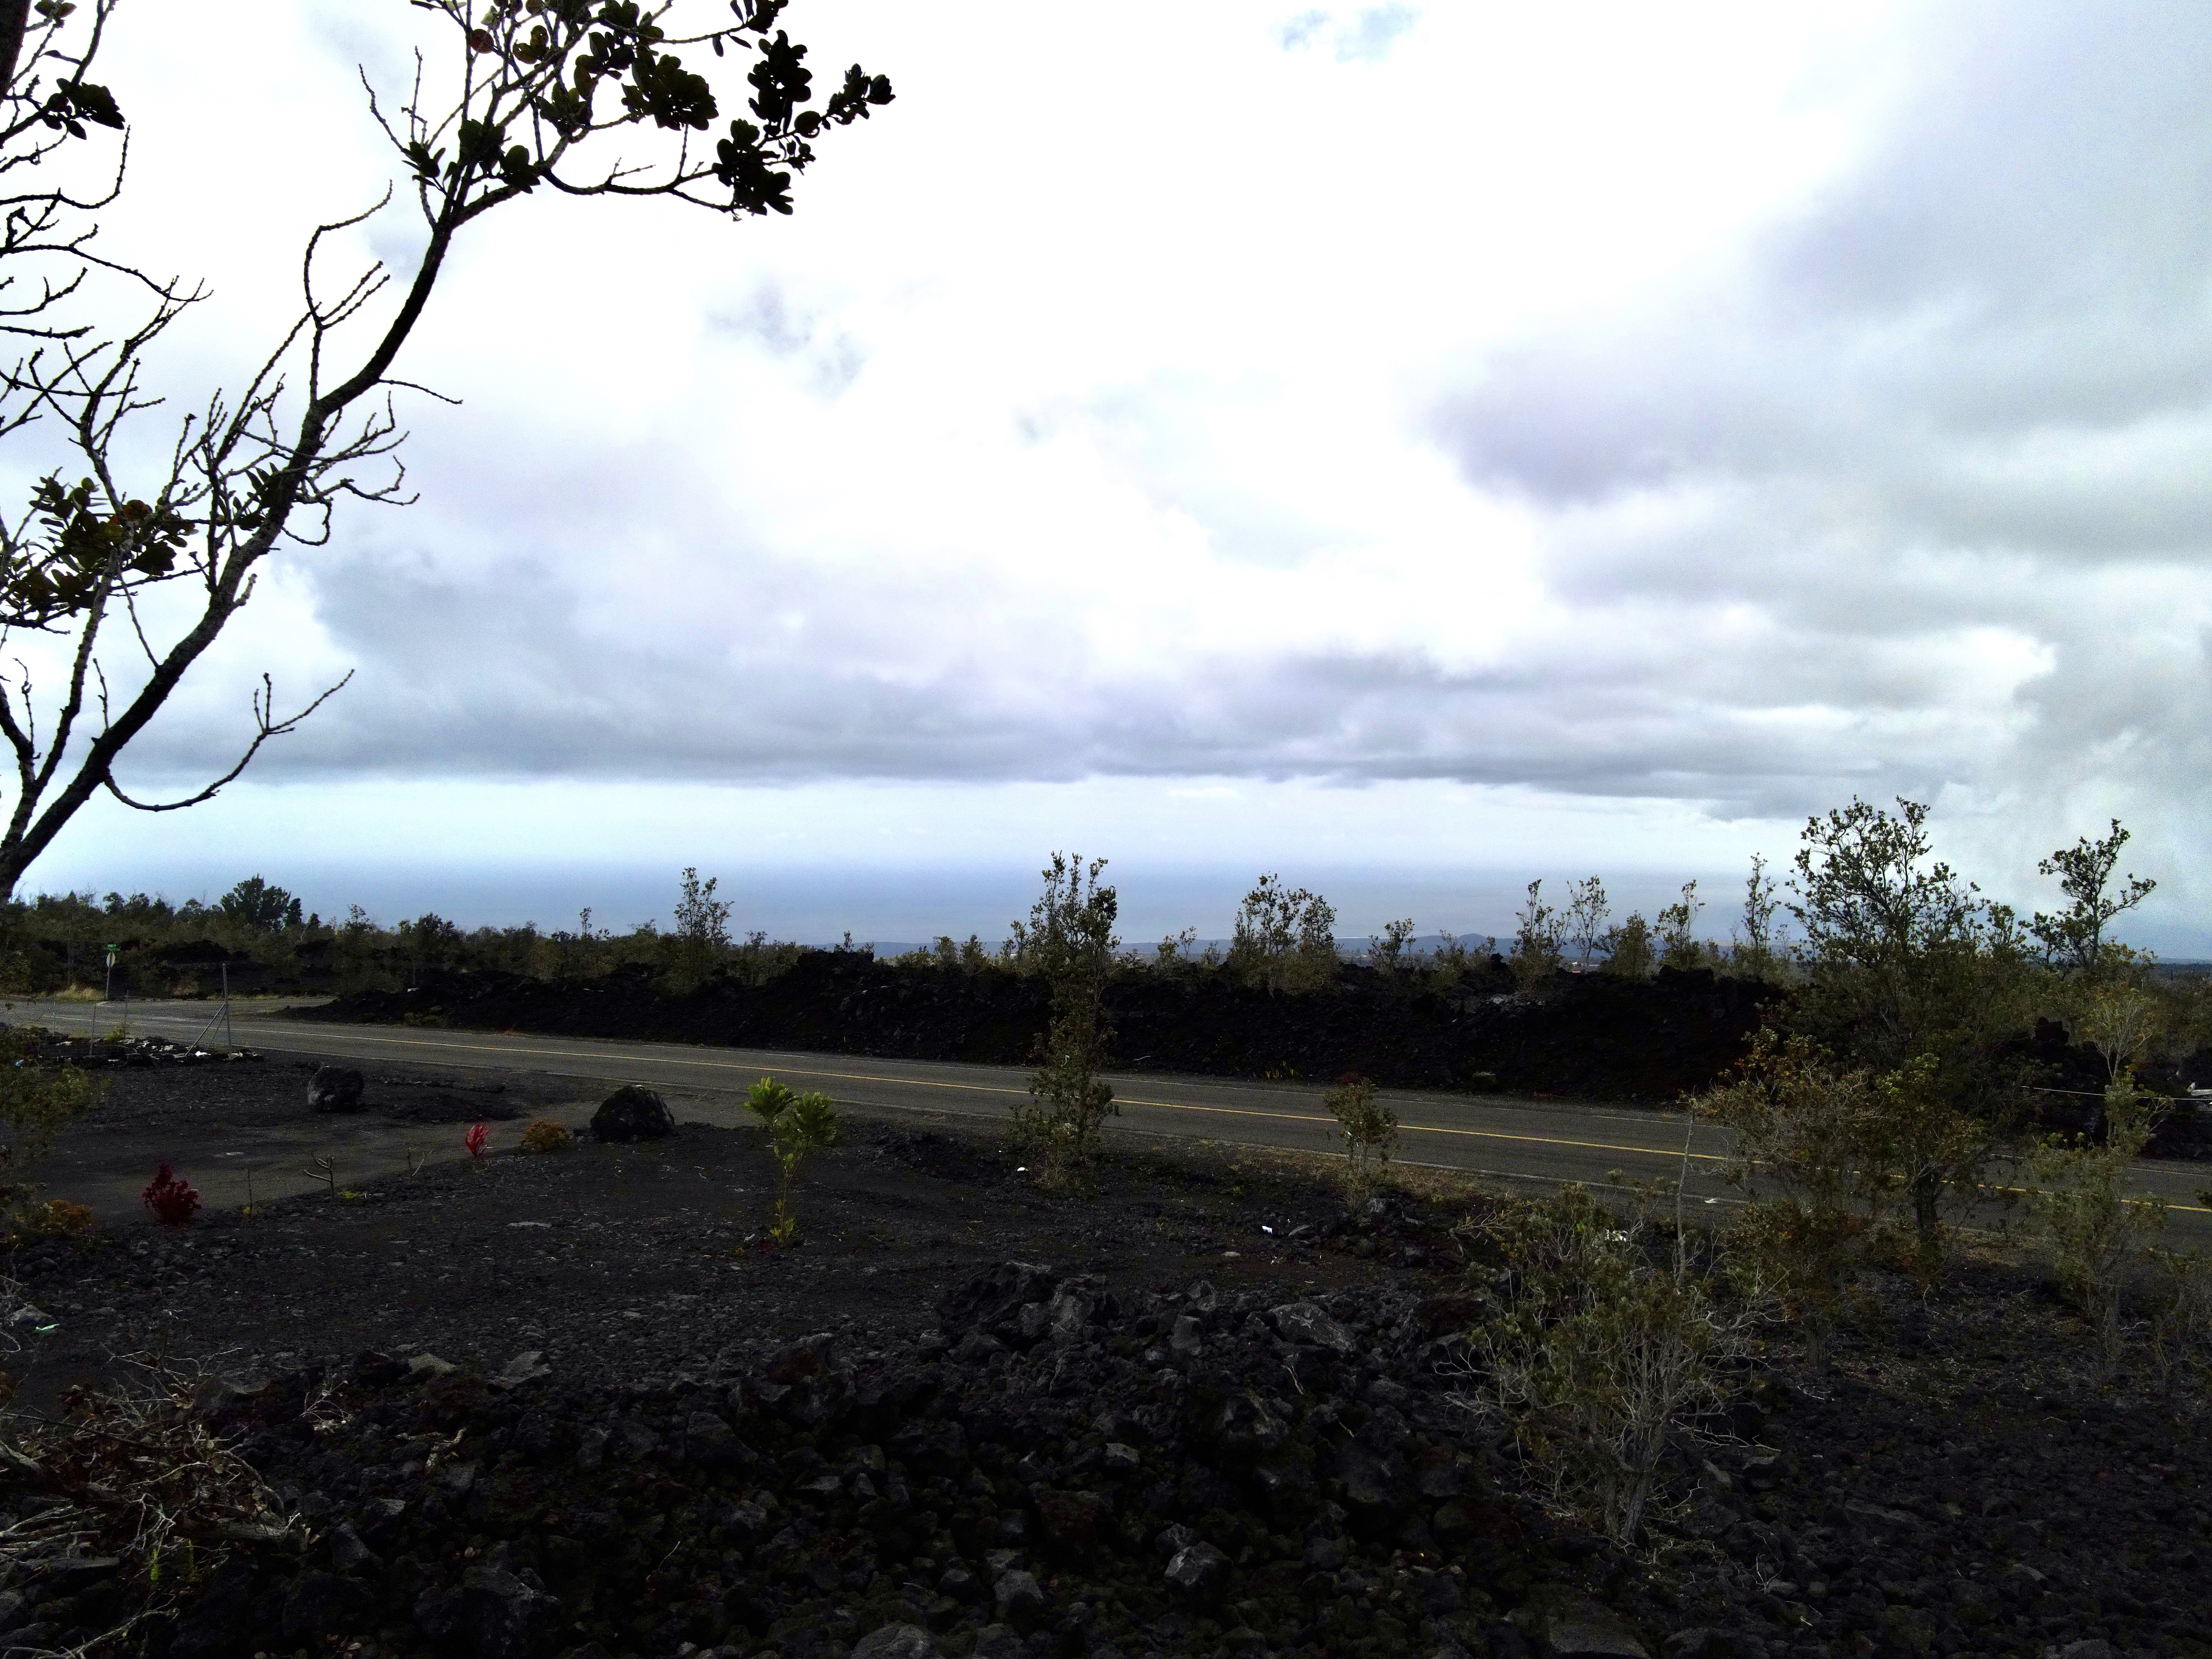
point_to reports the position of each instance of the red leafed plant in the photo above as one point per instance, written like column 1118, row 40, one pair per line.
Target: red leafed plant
column 172, row 1198
column 474, row 1140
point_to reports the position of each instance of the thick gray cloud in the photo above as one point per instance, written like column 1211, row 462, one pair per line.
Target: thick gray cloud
column 507, row 672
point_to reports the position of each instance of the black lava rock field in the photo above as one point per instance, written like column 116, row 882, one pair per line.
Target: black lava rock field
column 1055, row 1468
column 1594, row 1035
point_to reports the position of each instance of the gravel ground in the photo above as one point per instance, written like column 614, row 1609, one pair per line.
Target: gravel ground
column 619, row 1261
column 1169, row 1433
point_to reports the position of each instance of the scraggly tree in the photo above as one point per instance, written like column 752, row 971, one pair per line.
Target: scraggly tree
column 1912, row 975
column 46, row 234
column 702, row 930
column 1678, row 930
column 260, row 905
column 2074, row 938
column 1069, row 942
column 1388, row 952
column 533, row 94
column 1536, row 936
column 1756, row 953
column 1588, row 912
column 1628, row 952
column 1284, row 937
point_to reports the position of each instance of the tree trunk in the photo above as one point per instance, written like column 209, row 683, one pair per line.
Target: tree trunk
column 1926, row 1189
column 15, row 17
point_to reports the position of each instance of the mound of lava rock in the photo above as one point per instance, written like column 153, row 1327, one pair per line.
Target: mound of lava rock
column 1059, row 1471
column 1051, row 1472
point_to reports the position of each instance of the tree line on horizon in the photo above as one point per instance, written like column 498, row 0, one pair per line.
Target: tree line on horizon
column 1283, row 939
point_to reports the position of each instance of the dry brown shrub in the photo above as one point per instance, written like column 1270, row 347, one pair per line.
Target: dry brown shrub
column 548, row 1135
column 59, row 1218
column 136, row 1471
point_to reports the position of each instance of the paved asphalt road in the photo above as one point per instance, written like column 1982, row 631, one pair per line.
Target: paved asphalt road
column 1540, row 1141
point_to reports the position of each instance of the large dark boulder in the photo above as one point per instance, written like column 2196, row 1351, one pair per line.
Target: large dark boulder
column 334, row 1088
column 632, row 1112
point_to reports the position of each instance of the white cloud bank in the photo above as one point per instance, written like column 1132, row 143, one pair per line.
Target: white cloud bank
column 1690, row 418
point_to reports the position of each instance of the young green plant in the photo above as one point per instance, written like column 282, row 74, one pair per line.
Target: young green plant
column 2095, row 1230
column 1368, row 1130
column 1804, row 1139
column 1068, row 942
column 796, row 1125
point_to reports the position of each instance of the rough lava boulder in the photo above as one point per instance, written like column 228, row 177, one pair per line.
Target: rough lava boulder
column 335, row 1088
column 633, row 1112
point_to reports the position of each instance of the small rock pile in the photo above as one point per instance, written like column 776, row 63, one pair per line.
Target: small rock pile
column 112, row 1053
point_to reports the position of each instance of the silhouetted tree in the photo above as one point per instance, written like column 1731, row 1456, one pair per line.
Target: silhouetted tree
column 260, row 905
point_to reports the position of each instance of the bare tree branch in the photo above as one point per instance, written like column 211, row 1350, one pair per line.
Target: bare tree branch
column 264, row 729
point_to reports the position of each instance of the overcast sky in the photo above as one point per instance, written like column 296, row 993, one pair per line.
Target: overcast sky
column 1417, row 448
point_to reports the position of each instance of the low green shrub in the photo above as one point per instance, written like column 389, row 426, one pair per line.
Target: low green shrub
column 1602, row 1353
column 59, row 1218
column 2095, row 1230
column 1805, row 1141
column 1368, row 1130
column 2181, row 1315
